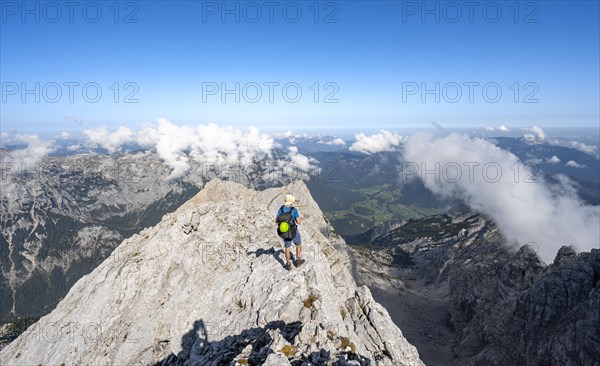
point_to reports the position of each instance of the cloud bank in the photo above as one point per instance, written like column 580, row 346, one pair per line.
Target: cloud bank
column 178, row 146
column 111, row 141
column 34, row 151
column 583, row 147
column 382, row 141
column 525, row 211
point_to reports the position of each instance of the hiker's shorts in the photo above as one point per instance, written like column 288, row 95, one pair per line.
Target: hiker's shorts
column 297, row 240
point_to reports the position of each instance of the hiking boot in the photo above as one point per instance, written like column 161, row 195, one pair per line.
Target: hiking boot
column 299, row 262
column 288, row 266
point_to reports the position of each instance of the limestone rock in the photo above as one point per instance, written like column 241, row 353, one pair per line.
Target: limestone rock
column 206, row 286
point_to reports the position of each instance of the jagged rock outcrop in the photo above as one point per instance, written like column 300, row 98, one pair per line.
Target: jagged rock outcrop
column 556, row 320
column 206, row 286
column 486, row 303
column 516, row 310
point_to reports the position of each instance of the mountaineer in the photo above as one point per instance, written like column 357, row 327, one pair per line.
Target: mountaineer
column 288, row 219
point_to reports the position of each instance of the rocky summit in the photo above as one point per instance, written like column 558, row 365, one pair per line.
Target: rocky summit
column 207, row 286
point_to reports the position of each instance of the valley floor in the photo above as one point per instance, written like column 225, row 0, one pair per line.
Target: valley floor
column 418, row 310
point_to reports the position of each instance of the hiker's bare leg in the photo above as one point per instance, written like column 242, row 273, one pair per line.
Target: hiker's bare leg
column 298, row 250
column 287, row 255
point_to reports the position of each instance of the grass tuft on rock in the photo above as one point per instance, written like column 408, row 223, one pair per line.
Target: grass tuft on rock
column 308, row 303
column 288, row 350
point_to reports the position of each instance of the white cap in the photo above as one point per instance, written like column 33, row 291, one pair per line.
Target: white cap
column 289, row 200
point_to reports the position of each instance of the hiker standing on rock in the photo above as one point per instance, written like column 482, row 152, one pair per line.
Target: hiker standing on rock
column 287, row 220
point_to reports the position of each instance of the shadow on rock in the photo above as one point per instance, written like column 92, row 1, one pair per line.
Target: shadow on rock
column 252, row 347
column 277, row 254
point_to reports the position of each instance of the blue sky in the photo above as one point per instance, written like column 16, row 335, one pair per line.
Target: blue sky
column 370, row 60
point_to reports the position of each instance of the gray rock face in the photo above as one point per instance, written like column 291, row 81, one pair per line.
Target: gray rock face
column 206, row 286
column 519, row 311
column 556, row 321
column 63, row 217
column 484, row 303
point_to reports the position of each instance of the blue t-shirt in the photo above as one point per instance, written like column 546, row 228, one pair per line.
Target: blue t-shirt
column 295, row 213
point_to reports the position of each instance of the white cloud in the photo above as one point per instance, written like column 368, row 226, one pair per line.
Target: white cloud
column 524, row 211
column 501, row 128
column 211, row 144
column 65, row 135
column 282, row 135
column 33, row 153
column 8, row 138
column 574, row 164
column 588, row 149
column 535, row 135
column 383, row 141
column 206, row 144
column 332, row 141
column 553, row 160
column 300, row 161
column 336, row 141
column 111, row 141
column 5, row 138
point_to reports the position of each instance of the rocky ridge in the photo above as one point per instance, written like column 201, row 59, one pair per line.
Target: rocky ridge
column 63, row 216
column 206, row 286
